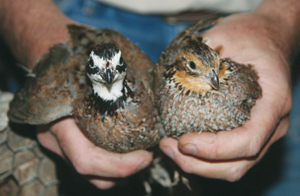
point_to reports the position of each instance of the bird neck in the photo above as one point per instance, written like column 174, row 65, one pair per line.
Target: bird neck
column 109, row 98
column 109, row 92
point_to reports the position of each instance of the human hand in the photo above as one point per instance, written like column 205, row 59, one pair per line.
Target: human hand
column 97, row 165
column 248, row 39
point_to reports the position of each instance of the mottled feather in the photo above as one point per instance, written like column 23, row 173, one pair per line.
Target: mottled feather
column 61, row 88
column 196, row 91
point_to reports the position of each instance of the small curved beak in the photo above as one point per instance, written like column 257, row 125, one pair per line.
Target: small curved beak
column 215, row 79
column 109, row 76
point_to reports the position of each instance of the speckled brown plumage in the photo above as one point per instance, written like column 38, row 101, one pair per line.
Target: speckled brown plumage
column 196, row 91
column 61, row 88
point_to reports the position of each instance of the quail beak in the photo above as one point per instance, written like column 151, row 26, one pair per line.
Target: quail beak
column 109, row 76
column 215, row 80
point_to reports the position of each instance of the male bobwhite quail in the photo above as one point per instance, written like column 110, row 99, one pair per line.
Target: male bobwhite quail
column 102, row 80
column 197, row 91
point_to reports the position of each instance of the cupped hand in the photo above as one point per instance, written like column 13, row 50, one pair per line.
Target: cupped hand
column 101, row 167
column 30, row 29
column 248, row 39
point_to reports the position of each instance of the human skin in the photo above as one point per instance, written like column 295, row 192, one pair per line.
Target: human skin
column 266, row 39
column 263, row 38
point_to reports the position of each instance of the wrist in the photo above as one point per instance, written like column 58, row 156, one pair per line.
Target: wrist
column 31, row 28
column 42, row 41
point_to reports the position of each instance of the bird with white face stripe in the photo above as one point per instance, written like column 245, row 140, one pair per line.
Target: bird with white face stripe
column 110, row 98
column 107, row 71
column 119, row 113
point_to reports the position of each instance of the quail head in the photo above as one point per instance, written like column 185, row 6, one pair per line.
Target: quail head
column 197, row 91
column 102, row 80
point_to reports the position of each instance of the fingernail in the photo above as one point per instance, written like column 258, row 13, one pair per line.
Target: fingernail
column 206, row 40
column 189, row 149
column 168, row 151
column 143, row 166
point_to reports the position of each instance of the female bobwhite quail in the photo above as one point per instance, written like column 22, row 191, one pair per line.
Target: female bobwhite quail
column 102, row 80
column 197, row 91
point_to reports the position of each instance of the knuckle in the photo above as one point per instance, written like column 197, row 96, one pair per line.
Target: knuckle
column 188, row 170
column 186, row 167
column 215, row 152
column 103, row 184
column 254, row 148
column 122, row 170
column 125, row 171
column 80, row 166
column 253, row 151
column 235, row 174
column 122, row 174
column 234, row 178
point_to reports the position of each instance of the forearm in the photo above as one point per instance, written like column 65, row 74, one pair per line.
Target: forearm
column 31, row 27
column 285, row 15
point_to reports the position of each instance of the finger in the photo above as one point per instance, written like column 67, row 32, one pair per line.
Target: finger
column 102, row 183
column 89, row 159
column 226, row 170
column 48, row 140
column 231, row 170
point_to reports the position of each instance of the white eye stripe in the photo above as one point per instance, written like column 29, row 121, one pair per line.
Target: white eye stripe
column 116, row 59
column 101, row 62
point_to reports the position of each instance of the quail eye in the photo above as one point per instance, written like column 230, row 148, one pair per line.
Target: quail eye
column 192, row 65
column 91, row 63
column 122, row 66
column 121, row 61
